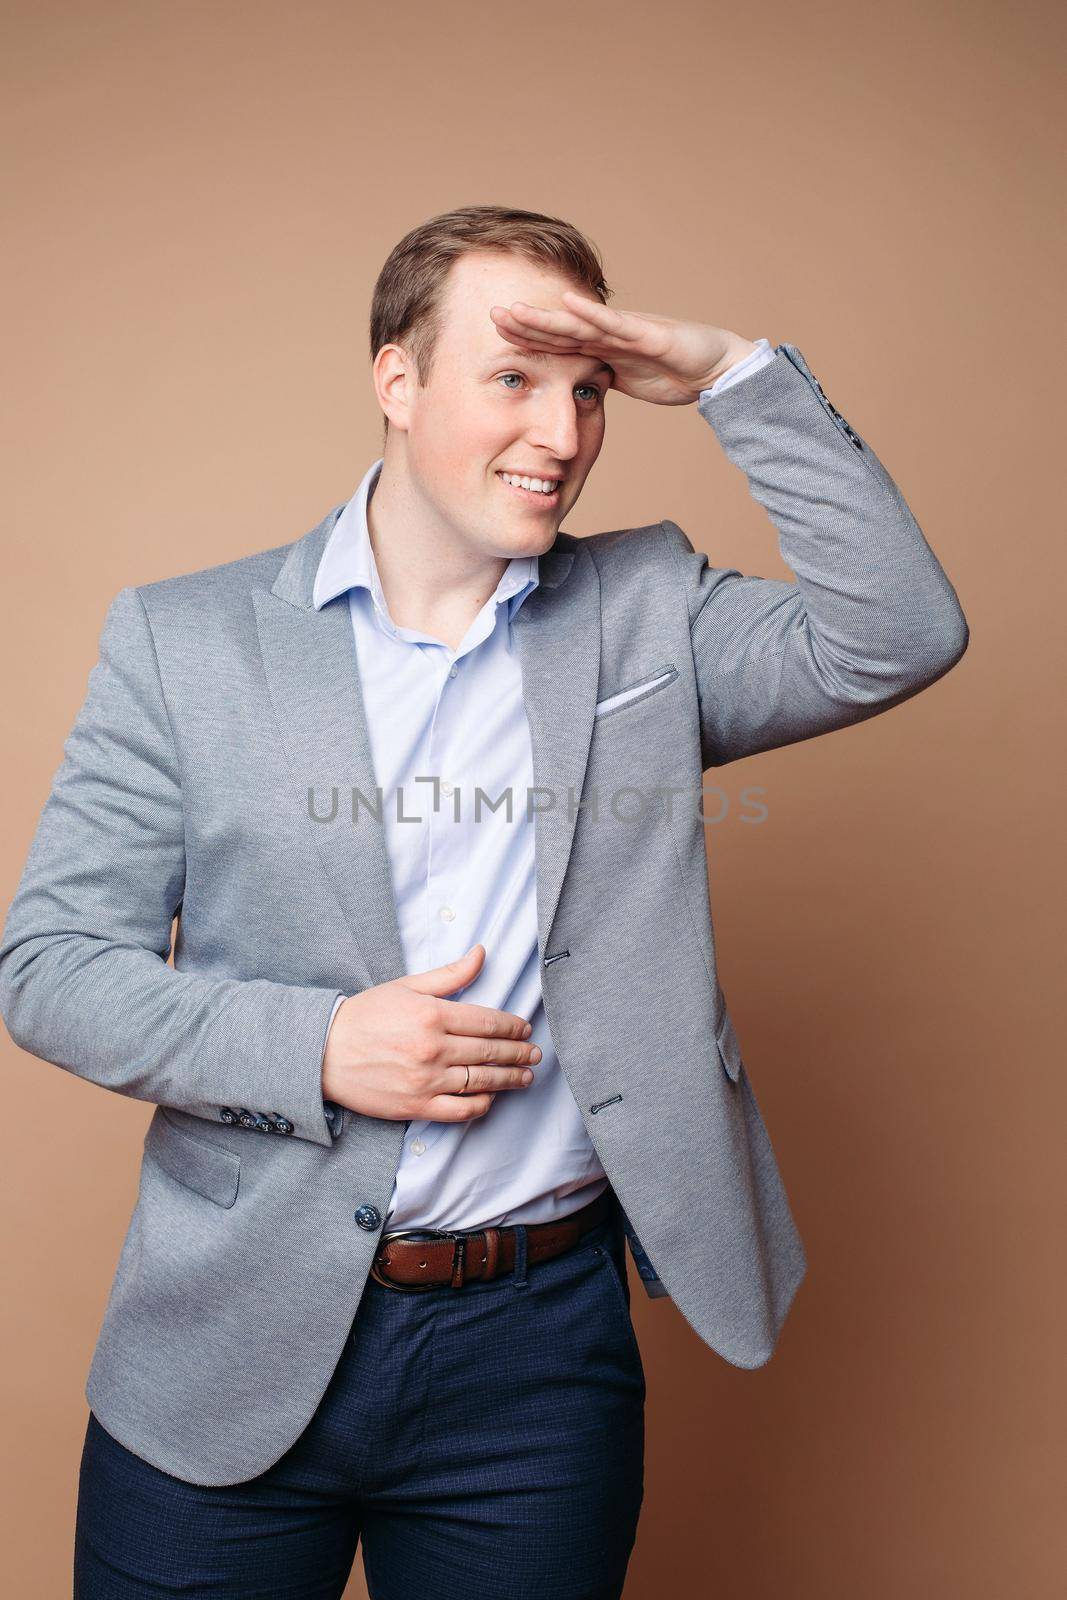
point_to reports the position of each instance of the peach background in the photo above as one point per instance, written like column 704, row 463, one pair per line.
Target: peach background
column 202, row 197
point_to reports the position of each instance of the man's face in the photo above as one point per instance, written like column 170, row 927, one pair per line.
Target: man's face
column 488, row 408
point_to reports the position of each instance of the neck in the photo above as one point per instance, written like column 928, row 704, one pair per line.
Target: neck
column 431, row 580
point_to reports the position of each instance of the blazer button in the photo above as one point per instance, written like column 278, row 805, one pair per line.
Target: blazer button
column 227, row 1115
column 369, row 1217
column 282, row 1124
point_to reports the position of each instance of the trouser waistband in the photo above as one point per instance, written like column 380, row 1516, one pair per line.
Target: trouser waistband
column 425, row 1258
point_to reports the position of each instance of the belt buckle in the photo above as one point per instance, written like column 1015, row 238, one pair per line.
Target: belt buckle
column 424, row 1234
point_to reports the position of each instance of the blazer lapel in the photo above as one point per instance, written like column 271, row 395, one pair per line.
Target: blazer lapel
column 556, row 632
column 309, row 659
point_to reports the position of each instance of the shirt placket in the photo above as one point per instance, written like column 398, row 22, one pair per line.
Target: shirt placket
column 450, row 920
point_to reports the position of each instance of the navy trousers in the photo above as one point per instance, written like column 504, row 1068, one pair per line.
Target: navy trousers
column 485, row 1441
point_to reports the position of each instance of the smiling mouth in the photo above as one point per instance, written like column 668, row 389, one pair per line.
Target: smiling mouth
column 532, row 496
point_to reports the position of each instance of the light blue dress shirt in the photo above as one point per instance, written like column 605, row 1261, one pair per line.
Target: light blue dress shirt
column 457, row 717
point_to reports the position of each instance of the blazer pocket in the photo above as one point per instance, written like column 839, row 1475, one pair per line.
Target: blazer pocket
column 729, row 1048
column 206, row 1168
column 636, row 692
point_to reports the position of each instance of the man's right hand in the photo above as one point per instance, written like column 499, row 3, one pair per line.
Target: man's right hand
column 400, row 1050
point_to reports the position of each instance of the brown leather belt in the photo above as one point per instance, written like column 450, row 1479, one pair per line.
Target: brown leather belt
column 421, row 1258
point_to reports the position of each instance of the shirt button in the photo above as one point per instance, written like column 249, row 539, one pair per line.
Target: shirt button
column 446, row 914
column 453, row 671
column 418, row 1147
column 446, row 787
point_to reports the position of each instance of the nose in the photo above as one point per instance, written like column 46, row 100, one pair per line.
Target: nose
column 555, row 431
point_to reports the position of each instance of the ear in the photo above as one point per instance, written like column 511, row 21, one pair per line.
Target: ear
column 394, row 378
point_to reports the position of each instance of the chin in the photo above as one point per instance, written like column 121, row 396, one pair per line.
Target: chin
column 525, row 541
column 545, row 542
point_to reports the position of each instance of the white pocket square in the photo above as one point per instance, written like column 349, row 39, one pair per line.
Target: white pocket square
column 632, row 692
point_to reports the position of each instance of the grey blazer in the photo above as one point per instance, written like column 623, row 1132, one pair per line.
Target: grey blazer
column 219, row 698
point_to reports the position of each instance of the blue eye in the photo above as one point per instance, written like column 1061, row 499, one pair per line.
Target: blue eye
column 590, row 386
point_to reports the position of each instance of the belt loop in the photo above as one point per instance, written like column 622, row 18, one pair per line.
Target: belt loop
column 519, row 1276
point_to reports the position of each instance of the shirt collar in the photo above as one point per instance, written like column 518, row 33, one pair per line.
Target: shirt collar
column 348, row 560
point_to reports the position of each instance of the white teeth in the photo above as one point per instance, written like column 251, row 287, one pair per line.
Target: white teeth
column 540, row 485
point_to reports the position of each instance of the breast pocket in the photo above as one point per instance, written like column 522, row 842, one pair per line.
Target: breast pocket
column 635, row 693
column 196, row 1163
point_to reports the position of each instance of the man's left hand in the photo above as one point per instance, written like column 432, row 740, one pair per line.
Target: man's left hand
column 652, row 358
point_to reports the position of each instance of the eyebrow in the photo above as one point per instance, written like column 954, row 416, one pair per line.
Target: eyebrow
column 545, row 355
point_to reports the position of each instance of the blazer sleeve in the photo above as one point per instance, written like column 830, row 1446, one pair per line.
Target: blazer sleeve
column 84, row 980
column 872, row 618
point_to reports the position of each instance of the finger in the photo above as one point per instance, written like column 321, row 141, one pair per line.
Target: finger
column 484, row 1080
column 606, row 319
column 536, row 322
column 562, row 343
column 457, row 1107
column 595, row 321
column 467, row 1018
column 574, row 336
column 446, row 979
column 472, row 1053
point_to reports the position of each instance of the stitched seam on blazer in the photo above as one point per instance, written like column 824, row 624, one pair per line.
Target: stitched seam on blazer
column 170, row 724
column 685, row 889
column 865, row 452
column 762, row 655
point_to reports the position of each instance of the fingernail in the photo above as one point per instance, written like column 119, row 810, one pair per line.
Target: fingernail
column 527, row 1077
column 526, row 1032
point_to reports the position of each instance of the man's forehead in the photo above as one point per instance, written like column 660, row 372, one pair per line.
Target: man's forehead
column 475, row 286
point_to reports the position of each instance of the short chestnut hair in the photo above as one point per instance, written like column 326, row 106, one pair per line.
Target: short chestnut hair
column 407, row 299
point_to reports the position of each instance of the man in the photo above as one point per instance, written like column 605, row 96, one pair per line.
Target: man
column 423, row 1060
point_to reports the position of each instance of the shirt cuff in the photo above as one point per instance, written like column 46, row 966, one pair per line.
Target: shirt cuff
column 742, row 369
column 338, row 1003
column 333, row 1113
